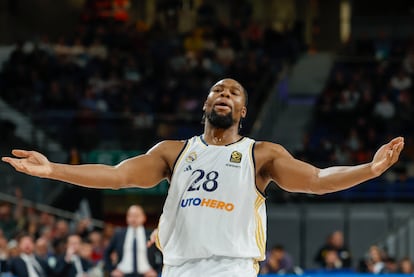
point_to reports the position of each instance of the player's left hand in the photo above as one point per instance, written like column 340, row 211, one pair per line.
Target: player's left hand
column 387, row 155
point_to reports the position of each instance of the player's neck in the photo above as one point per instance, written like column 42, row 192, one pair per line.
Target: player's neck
column 217, row 136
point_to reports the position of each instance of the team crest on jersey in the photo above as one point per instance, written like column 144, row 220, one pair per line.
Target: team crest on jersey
column 191, row 157
column 235, row 157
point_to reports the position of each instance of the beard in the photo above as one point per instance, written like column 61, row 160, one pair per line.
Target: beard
column 220, row 121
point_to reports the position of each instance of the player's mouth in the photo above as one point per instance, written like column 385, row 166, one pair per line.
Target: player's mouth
column 222, row 106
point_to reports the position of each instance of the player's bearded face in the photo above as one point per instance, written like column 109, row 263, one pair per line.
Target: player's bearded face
column 220, row 121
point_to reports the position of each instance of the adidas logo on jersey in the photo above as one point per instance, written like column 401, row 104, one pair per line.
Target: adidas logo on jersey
column 188, row 168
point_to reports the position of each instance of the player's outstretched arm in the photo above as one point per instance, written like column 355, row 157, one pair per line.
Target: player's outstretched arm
column 145, row 170
column 297, row 176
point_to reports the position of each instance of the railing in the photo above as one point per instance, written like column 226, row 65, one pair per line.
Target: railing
column 400, row 241
column 46, row 208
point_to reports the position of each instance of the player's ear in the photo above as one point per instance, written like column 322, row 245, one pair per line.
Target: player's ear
column 204, row 106
column 244, row 112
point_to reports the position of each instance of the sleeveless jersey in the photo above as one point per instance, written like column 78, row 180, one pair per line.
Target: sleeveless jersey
column 213, row 207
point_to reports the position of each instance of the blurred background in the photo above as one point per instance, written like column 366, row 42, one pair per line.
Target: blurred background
column 98, row 81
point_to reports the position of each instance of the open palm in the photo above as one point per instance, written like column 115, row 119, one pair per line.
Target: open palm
column 29, row 162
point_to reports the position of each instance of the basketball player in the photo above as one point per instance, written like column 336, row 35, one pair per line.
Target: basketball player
column 214, row 220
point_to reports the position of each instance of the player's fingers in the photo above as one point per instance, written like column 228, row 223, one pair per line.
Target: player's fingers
column 397, row 140
column 6, row 159
column 400, row 146
column 17, row 164
column 394, row 142
column 397, row 148
column 10, row 160
column 20, row 153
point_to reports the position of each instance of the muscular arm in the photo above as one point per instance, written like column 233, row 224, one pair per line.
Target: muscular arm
column 276, row 164
column 143, row 171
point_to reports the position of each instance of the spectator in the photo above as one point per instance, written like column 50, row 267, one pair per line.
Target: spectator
column 60, row 234
column 86, row 252
column 406, row 266
column 277, row 262
column 4, row 254
column 44, row 251
column 335, row 241
column 375, row 263
column 72, row 264
column 331, row 260
column 129, row 244
column 97, row 243
column 8, row 222
column 401, row 81
column 391, row 265
column 225, row 53
column 98, row 50
column 27, row 264
column 384, row 109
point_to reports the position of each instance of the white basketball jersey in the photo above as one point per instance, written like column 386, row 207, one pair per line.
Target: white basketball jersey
column 213, row 207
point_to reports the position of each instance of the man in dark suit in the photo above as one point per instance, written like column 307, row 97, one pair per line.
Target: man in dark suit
column 127, row 254
column 27, row 264
column 72, row 264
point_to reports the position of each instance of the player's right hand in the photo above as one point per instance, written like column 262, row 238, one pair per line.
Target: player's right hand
column 29, row 162
column 153, row 238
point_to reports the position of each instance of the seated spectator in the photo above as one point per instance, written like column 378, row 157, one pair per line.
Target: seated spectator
column 27, row 264
column 8, row 221
column 86, row 252
column 400, row 81
column 335, row 242
column 72, row 264
column 43, row 250
column 4, row 254
column 98, row 50
column 384, row 109
column 391, row 265
column 60, row 234
column 406, row 266
column 375, row 262
column 278, row 261
column 97, row 243
column 331, row 259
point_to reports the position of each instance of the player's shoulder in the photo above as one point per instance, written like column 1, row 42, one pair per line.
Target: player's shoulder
column 170, row 144
column 267, row 146
column 265, row 151
column 168, row 147
column 168, row 150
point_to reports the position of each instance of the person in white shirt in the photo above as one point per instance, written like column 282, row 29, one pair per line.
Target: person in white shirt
column 127, row 254
column 27, row 264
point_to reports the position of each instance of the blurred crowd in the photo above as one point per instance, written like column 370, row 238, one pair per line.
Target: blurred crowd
column 134, row 84
column 334, row 257
column 56, row 246
column 366, row 100
column 54, row 242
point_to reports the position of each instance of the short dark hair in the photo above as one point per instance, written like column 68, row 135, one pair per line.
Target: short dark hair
column 246, row 95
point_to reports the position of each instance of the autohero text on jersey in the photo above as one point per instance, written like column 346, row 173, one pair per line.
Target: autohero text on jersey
column 208, row 203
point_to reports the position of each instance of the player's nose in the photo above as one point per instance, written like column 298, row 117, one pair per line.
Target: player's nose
column 225, row 92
